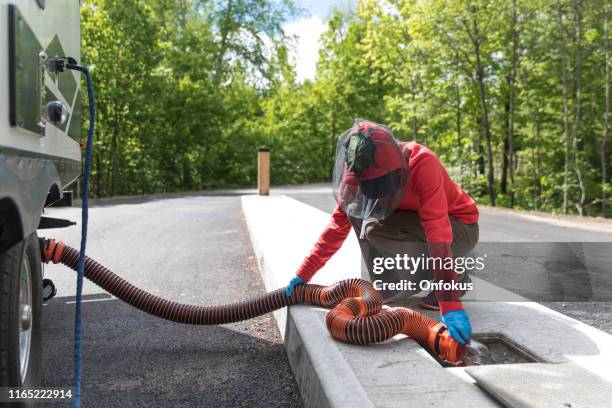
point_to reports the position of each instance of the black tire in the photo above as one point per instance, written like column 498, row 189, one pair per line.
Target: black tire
column 12, row 263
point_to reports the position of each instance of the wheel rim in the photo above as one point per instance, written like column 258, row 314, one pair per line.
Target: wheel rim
column 25, row 316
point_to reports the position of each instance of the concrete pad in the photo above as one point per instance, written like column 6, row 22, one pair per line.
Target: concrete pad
column 550, row 385
column 331, row 373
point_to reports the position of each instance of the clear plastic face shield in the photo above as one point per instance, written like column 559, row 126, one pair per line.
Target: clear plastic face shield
column 370, row 174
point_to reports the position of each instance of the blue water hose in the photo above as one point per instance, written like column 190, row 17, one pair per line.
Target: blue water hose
column 76, row 401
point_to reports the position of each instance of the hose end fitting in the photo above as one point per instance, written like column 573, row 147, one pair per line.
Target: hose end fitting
column 51, row 251
column 445, row 347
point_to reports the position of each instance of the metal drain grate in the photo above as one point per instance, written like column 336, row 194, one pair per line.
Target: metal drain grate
column 501, row 350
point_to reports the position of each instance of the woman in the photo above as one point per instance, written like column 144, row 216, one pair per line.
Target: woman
column 401, row 201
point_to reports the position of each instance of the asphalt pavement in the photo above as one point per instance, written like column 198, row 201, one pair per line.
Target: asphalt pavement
column 195, row 248
column 188, row 248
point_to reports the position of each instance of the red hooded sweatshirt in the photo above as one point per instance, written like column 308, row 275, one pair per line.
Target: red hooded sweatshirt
column 431, row 192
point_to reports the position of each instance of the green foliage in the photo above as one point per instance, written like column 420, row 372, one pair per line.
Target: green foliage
column 188, row 90
column 175, row 90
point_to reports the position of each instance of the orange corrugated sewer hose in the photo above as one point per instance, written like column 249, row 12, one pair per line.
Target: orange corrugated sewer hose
column 357, row 315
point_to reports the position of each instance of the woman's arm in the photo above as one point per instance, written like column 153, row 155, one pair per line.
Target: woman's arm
column 430, row 177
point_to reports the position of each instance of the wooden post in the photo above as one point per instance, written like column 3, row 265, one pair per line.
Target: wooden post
column 263, row 171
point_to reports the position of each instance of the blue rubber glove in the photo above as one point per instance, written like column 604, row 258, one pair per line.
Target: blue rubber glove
column 295, row 281
column 458, row 325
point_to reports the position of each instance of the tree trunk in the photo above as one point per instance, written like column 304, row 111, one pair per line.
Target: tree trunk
column 578, row 105
column 225, row 29
column 480, row 76
column 604, row 136
column 459, row 117
column 480, row 161
column 505, row 153
column 458, row 123
column 512, row 100
column 566, row 132
column 537, row 188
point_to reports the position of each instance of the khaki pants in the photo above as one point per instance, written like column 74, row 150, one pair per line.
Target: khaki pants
column 402, row 233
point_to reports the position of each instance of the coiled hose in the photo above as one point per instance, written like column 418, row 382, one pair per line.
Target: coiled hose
column 356, row 317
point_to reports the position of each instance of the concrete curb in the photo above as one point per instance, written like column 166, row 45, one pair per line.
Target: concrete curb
column 323, row 375
column 331, row 373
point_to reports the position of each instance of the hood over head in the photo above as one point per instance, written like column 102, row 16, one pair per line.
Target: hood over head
column 371, row 173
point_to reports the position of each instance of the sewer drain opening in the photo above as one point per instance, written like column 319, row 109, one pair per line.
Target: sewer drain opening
column 491, row 349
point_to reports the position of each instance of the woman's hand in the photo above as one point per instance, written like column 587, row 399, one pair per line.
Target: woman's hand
column 458, row 325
